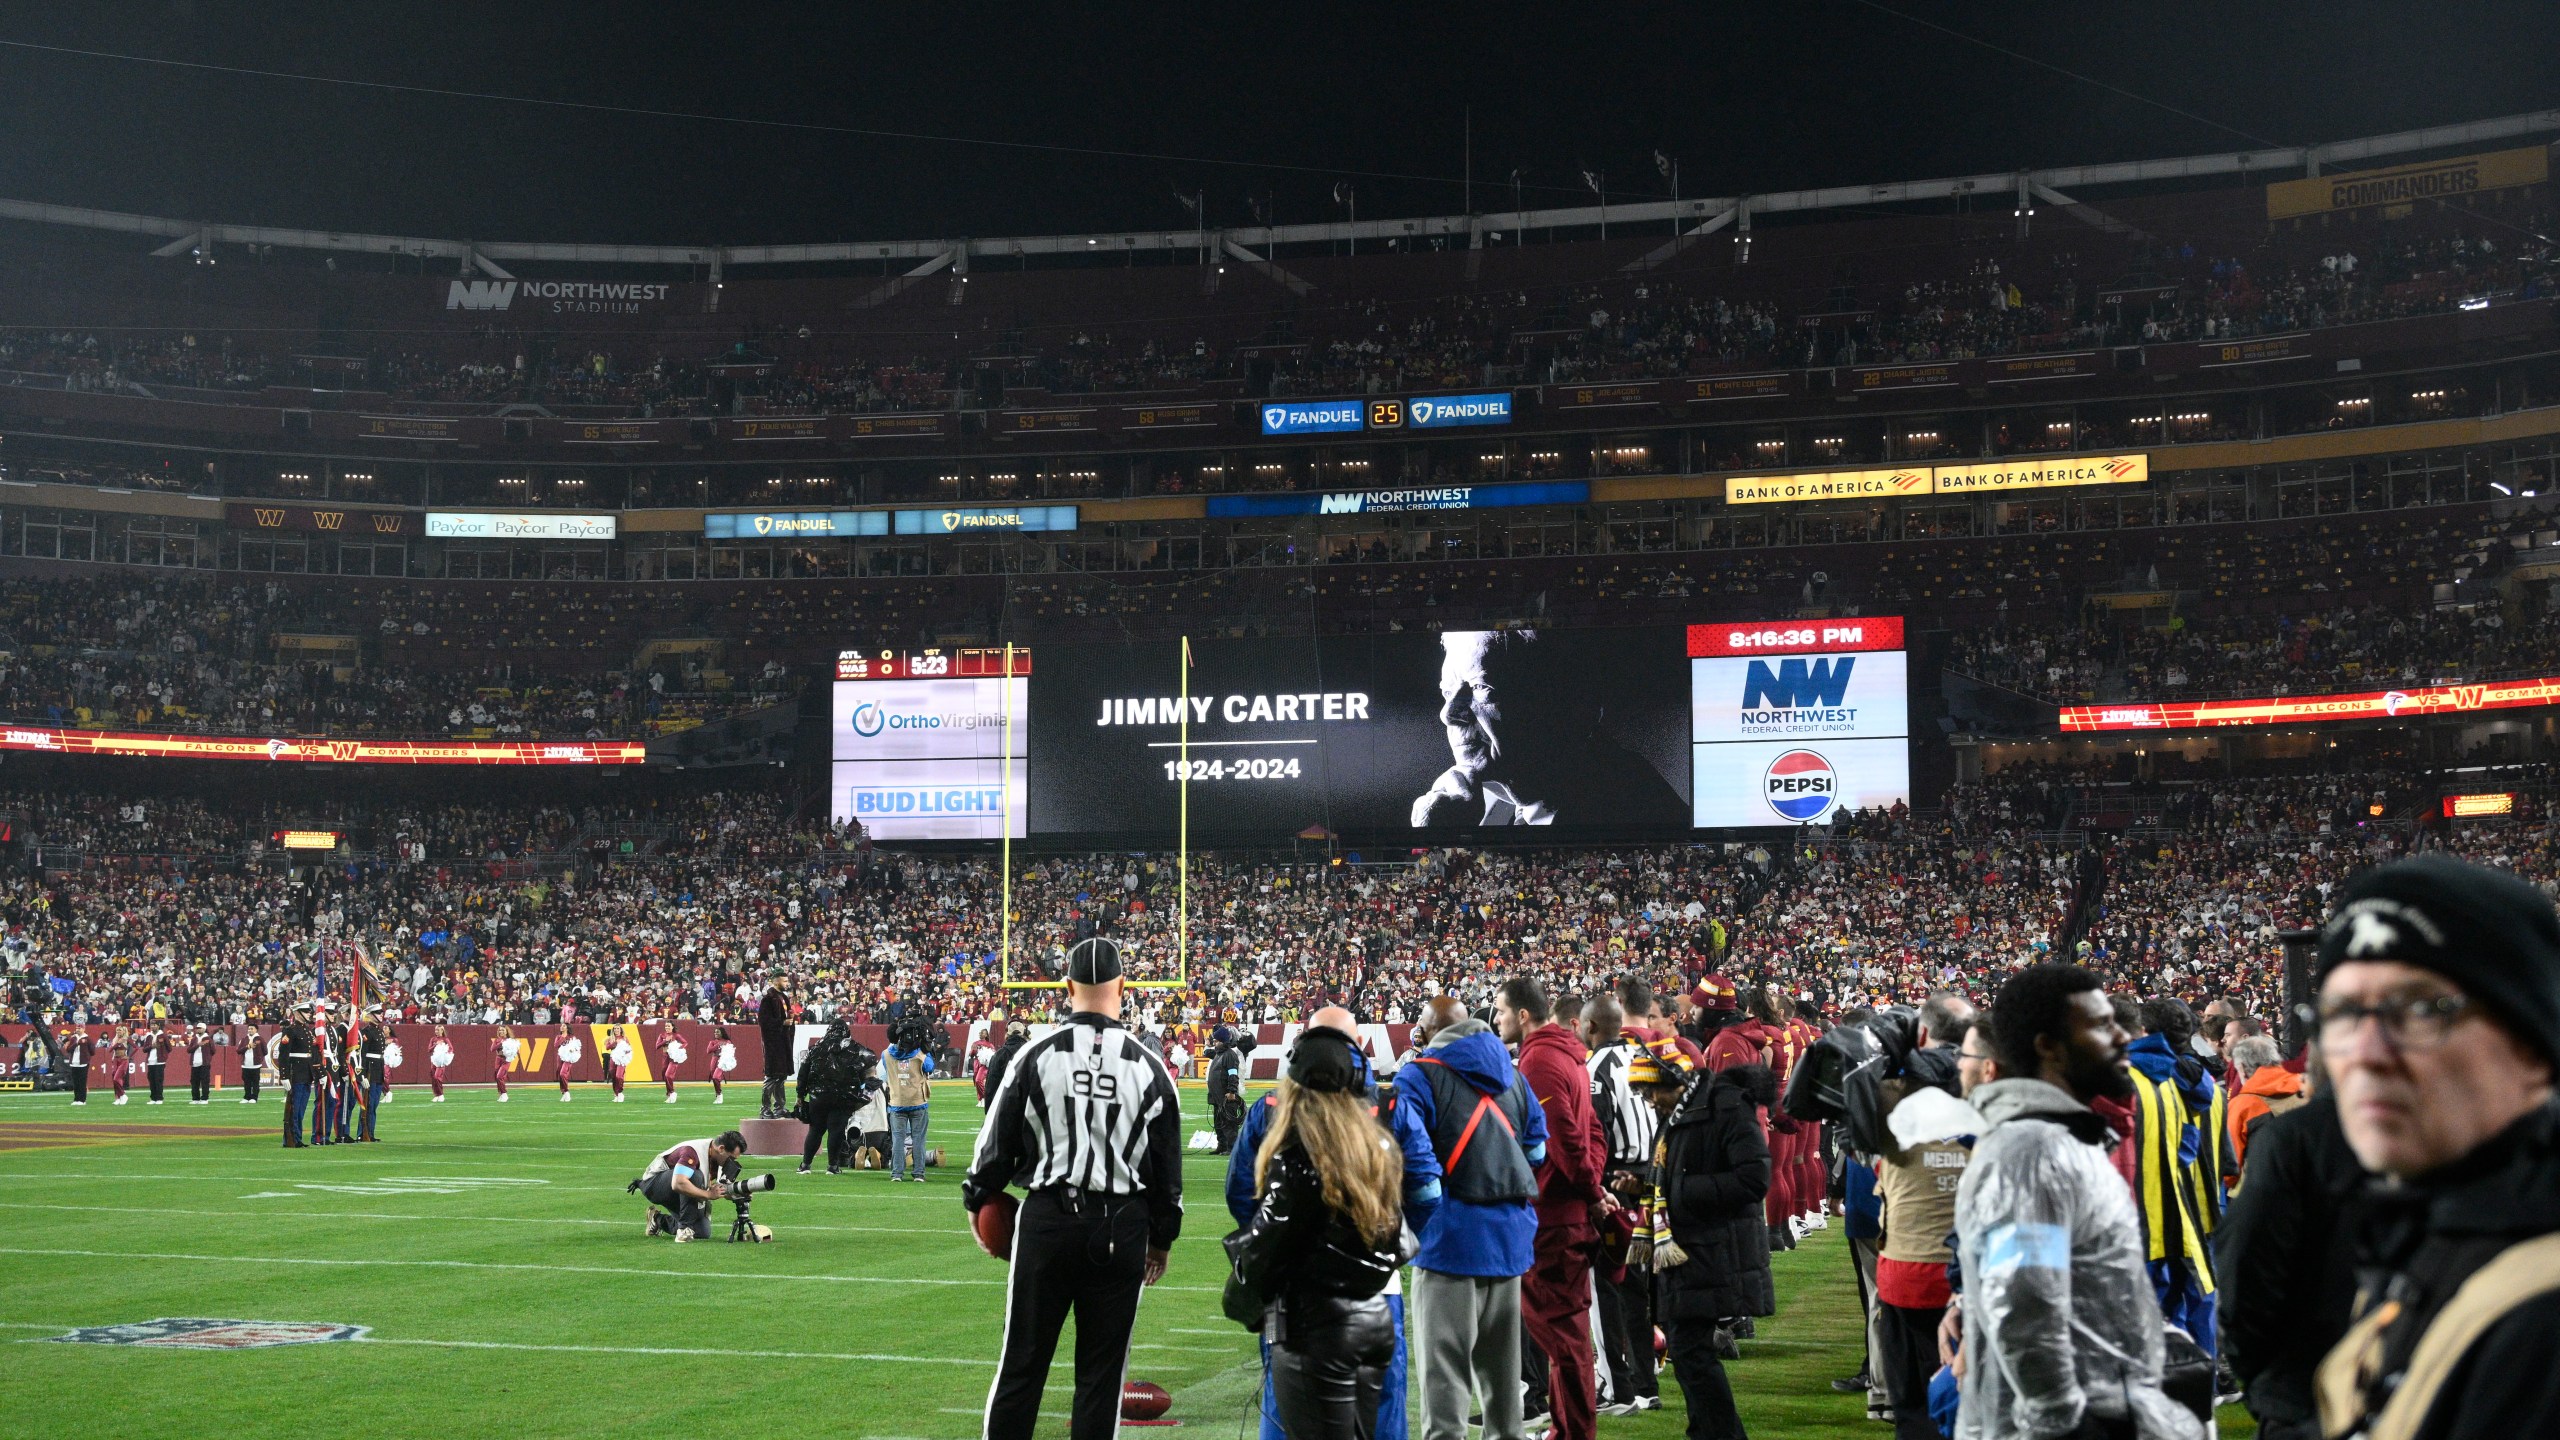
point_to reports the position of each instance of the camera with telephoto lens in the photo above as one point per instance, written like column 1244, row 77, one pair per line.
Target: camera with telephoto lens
column 738, row 1192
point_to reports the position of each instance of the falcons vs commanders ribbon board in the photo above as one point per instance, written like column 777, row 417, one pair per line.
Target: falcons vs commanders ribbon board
column 2418, row 700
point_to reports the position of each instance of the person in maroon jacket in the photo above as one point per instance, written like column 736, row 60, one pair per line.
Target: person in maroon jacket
column 1555, row 1296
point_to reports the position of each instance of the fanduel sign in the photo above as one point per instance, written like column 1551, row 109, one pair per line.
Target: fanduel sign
column 554, row 297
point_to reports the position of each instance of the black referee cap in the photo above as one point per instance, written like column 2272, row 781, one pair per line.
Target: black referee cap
column 1094, row 962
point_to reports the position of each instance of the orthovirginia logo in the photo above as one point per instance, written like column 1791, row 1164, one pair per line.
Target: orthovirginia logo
column 867, row 719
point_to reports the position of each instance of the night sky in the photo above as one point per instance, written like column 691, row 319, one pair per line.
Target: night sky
column 1251, row 104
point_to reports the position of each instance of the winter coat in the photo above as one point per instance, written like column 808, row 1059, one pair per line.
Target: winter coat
column 2059, row 1317
column 1303, row 1254
column 1569, row 1182
column 1715, row 1176
column 2287, row 1286
column 1465, row 1237
column 2418, row 1242
column 2256, row 1100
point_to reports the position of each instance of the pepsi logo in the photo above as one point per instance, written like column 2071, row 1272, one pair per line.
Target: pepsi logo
column 1801, row 787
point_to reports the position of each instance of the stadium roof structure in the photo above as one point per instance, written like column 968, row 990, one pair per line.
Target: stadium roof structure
column 1699, row 218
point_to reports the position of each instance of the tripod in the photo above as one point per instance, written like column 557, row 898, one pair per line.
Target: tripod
column 743, row 1225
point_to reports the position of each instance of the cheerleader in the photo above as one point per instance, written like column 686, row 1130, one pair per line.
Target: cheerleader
column 571, row 1050
column 439, row 1060
column 120, row 1061
column 723, row 1060
column 502, row 1057
column 617, row 1058
column 671, row 1053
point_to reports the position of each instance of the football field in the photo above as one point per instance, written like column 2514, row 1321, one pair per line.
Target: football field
column 481, row 1272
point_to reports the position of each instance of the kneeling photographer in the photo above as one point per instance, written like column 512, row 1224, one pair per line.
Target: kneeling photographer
column 836, row 1076
column 683, row 1181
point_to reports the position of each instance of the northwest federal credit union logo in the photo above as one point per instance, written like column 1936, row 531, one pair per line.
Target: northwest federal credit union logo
column 1801, row 787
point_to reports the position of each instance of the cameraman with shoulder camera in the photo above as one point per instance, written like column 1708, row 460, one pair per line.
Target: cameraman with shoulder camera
column 910, row 1092
column 683, row 1181
column 836, row 1076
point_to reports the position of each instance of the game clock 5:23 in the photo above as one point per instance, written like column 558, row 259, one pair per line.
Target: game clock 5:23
column 1274, row 768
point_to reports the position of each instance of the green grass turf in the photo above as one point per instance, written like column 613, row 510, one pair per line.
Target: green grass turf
column 536, row 1308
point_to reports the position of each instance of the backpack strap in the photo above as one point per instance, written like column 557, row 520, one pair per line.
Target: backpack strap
column 2516, row 1276
column 1484, row 1103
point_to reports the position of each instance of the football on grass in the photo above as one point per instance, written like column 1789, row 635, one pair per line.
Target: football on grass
column 994, row 1224
column 1140, row 1400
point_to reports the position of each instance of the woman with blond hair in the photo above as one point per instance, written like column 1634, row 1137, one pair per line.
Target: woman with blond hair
column 1325, row 1239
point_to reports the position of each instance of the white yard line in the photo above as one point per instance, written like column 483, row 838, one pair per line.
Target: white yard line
column 262, row 1213
column 373, row 1263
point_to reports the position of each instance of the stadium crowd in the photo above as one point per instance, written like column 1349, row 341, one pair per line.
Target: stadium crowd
column 1657, row 326
column 483, row 913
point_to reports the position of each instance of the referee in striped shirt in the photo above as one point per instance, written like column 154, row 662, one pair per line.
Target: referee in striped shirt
column 1087, row 1122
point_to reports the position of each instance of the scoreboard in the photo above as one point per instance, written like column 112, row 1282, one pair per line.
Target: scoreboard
column 977, row 663
column 1794, row 721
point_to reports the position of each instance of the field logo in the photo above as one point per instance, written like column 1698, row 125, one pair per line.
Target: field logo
column 1801, row 787
column 211, row 1334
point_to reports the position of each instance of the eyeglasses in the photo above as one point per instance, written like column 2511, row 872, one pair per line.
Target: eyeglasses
column 2409, row 1024
column 1969, row 1055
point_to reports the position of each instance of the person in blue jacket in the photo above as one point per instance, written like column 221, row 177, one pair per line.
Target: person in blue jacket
column 1419, row 1199
column 1487, row 1135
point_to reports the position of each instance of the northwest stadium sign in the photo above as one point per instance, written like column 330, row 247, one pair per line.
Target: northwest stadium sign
column 1375, row 502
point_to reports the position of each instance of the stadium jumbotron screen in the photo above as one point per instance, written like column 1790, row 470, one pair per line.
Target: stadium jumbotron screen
column 1589, row 730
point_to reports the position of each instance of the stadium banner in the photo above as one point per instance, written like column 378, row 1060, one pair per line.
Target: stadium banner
column 983, row 519
column 1312, row 417
column 1968, row 479
column 1372, row 502
column 1045, row 422
column 2016, row 369
column 2401, row 184
column 778, row 427
column 1795, row 637
column 2027, row 474
column 1828, row 485
column 2413, row 703
column 1172, row 417
column 795, row 525
column 609, row 432
column 2258, row 350
column 467, row 525
column 1629, row 395
column 555, row 297
column 434, row 428
column 322, row 519
column 476, row 1056
column 326, row 751
column 1768, row 385
column 1354, row 733
column 1440, row 412
column 1936, row 376
column 897, row 427
column 2466, row 807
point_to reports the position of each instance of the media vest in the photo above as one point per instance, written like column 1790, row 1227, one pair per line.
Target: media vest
column 2175, row 1221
